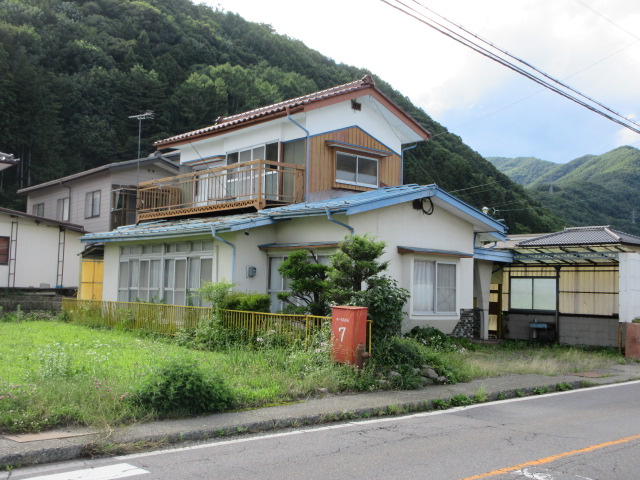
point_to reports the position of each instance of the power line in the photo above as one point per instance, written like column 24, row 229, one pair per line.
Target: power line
column 556, row 86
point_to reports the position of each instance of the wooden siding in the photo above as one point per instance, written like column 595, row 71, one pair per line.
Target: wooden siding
column 322, row 174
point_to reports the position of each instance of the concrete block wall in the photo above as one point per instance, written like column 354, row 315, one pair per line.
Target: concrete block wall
column 574, row 330
column 600, row 332
column 469, row 324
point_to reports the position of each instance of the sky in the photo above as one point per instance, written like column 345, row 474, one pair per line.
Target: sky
column 592, row 45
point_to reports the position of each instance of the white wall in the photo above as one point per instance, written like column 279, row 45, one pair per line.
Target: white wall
column 37, row 254
column 111, row 269
column 319, row 121
column 482, row 286
column 629, row 296
column 396, row 225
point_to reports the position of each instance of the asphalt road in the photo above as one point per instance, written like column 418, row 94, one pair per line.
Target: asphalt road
column 585, row 434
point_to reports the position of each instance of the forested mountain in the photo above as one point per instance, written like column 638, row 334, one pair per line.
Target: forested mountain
column 522, row 170
column 73, row 72
column 590, row 190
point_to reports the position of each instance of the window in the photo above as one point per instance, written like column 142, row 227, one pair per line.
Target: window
column 38, row 209
column 4, row 250
column 533, row 293
column 433, row 288
column 277, row 283
column 356, row 170
column 62, row 209
column 168, row 272
column 92, row 204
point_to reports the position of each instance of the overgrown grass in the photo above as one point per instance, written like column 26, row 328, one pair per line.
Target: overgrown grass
column 59, row 374
column 56, row 374
column 515, row 357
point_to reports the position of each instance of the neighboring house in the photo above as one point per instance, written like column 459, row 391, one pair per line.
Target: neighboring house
column 37, row 252
column 102, row 198
column 7, row 160
column 99, row 199
column 431, row 242
column 579, row 286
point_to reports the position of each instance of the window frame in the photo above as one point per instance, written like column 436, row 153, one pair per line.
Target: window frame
column 63, row 209
column 5, row 246
column 91, row 206
column 37, row 209
column 532, row 291
column 436, row 288
column 138, row 260
column 357, row 158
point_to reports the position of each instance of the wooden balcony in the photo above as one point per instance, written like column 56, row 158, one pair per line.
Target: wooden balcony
column 253, row 185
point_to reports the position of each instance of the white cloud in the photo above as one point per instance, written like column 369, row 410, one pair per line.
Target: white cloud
column 565, row 39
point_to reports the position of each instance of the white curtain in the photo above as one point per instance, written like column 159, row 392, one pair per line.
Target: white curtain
column 446, row 288
column 422, row 295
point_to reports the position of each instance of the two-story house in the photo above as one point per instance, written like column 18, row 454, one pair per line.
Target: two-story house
column 95, row 200
column 302, row 173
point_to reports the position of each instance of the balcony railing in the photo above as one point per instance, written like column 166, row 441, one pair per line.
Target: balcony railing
column 256, row 184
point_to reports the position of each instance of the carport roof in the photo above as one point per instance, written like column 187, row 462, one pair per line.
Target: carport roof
column 576, row 246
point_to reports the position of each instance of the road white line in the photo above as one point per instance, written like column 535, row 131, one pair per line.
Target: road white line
column 214, row 444
column 120, row 470
column 546, row 474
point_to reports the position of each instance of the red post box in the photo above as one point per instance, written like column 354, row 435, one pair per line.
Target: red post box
column 348, row 330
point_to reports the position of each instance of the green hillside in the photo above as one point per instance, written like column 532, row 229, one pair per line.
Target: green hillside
column 522, row 170
column 73, row 72
column 591, row 190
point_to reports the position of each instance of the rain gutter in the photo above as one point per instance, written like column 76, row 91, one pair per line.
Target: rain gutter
column 233, row 253
column 306, row 159
column 348, row 227
column 402, row 161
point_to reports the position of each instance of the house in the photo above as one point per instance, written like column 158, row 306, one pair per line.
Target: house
column 37, row 252
column 303, row 173
column 335, row 142
column 578, row 286
column 431, row 242
column 99, row 199
column 102, row 198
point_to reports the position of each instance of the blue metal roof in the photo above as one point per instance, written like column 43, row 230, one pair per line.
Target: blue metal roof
column 349, row 205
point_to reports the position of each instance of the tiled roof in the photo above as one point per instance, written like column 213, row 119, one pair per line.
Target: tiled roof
column 277, row 109
column 597, row 235
column 349, row 204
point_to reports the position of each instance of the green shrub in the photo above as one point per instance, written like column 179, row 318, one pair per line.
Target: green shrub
column 460, row 400
column 180, row 387
column 398, row 351
column 433, row 338
column 246, row 301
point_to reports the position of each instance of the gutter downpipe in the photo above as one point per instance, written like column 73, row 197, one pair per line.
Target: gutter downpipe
column 402, row 161
column 348, row 227
column 306, row 159
column 233, row 253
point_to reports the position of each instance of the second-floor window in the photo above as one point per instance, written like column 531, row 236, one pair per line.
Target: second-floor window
column 356, row 170
column 62, row 209
column 38, row 209
column 92, row 204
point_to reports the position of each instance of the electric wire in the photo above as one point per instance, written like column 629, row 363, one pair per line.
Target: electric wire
column 612, row 116
column 528, row 64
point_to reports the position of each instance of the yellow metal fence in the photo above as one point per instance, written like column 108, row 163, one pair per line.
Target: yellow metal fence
column 169, row 319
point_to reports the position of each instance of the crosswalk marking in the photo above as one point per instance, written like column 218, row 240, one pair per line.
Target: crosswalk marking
column 119, row 470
